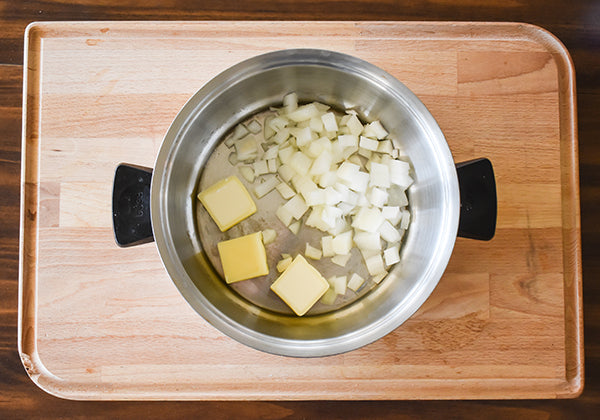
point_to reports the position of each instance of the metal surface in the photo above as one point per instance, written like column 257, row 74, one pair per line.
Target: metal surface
column 343, row 82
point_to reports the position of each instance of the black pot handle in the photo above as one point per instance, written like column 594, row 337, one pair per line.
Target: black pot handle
column 131, row 205
column 478, row 201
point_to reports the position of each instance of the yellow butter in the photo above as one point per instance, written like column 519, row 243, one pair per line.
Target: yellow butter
column 228, row 202
column 243, row 258
column 300, row 285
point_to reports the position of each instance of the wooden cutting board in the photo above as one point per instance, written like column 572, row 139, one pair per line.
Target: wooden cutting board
column 100, row 322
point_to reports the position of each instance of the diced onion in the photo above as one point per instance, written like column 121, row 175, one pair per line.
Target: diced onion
column 391, row 255
column 266, row 187
column 378, row 277
column 254, row 127
column 286, row 192
column 283, row 264
column 269, row 236
column 247, row 172
column 296, row 207
column 338, row 283
column 312, row 252
column 342, row 243
column 340, row 260
column 355, row 282
column 294, row 227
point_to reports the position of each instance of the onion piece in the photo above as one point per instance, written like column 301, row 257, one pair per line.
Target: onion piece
column 391, row 255
column 312, row 252
column 368, row 144
column 295, row 206
column 377, row 129
column 392, row 214
column 355, row 282
column 405, row 219
column 290, row 102
column 300, row 162
column 377, row 197
column 370, row 241
column 260, row 167
column 287, row 193
column 247, row 172
column 269, row 236
column 246, row 148
column 284, row 215
column 338, row 284
column 377, row 278
column 266, row 187
column 286, row 172
column 342, row 243
column 368, row 219
column 354, row 125
column 340, row 260
column 254, row 127
column 379, row 175
column 329, row 121
column 303, row 113
column 283, row 264
column 327, row 246
column 238, row 132
column 375, row 264
column 329, row 297
column 294, row 227
column 388, row 232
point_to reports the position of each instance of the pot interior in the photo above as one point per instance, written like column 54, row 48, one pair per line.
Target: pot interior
column 250, row 312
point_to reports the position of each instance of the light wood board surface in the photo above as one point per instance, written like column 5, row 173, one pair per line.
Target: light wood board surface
column 100, row 322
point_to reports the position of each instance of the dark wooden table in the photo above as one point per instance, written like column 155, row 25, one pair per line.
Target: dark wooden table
column 575, row 22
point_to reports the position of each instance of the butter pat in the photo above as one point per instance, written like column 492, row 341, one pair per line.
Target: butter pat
column 300, row 285
column 243, row 258
column 227, row 202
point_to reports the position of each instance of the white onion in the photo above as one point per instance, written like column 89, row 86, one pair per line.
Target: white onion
column 246, row 148
column 338, row 284
column 266, row 187
column 329, row 122
column 379, row 175
column 286, row 172
column 283, row 264
column 368, row 240
column 286, row 192
column 312, row 252
column 368, row 219
column 247, row 172
column 342, row 243
column 355, row 282
column 368, row 144
column 254, row 127
column 388, row 232
column 290, row 102
column 296, row 206
column 269, row 236
column 376, row 128
column 378, row 277
column 327, row 246
column 375, row 264
column 295, row 227
column 392, row 255
column 340, row 260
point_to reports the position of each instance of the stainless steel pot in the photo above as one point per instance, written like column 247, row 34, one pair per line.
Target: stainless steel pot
column 344, row 82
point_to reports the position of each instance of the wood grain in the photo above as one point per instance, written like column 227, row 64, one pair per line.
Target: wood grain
column 573, row 22
column 101, row 322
